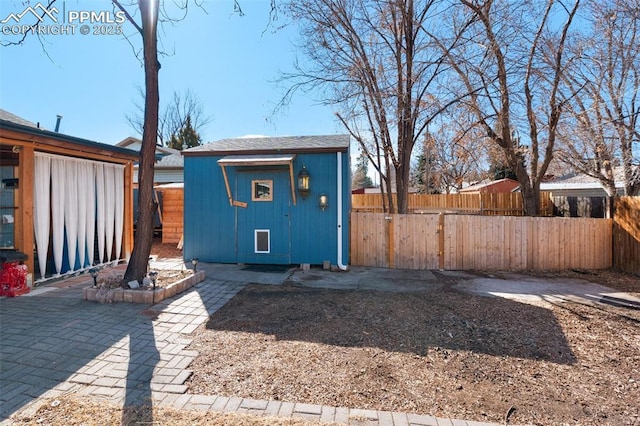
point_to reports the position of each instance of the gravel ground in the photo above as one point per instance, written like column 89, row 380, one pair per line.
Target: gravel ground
column 71, row 411
column 443, row 353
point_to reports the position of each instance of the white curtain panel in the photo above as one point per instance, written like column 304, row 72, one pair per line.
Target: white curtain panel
column 42, row 209
column 84, row 197
column 109, row 195
column 119, row 207
column 71, row 211
column 100, row 210
column 91, row 211
column 82, row 188
column 57, row 209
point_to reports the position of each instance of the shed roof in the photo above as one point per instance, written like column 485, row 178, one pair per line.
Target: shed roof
column 271, row 145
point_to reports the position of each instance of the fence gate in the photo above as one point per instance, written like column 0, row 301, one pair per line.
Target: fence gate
column 396, row 241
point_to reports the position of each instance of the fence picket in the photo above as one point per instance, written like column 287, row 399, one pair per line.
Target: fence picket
column 487, row 204
column 626, row 234
column 481, row 242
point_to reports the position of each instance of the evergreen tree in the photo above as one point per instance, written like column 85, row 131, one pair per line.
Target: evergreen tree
column 502, row 171
column 420, row 174
column 360, row 178
column 187, row 137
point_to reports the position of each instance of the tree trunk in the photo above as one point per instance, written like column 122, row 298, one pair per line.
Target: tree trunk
column 137, row 268
column 530, row 199
column 402, row 188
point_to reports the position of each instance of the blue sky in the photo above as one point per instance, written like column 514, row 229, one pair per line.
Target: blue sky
column 228, row 60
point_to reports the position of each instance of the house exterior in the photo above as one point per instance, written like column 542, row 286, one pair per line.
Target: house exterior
column 245, row 200
column 167, row 170
column 66, row 202
column 492, row 187
column 169, row 166
column 581, row 185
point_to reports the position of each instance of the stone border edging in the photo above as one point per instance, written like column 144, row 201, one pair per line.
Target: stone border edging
column 118, row 295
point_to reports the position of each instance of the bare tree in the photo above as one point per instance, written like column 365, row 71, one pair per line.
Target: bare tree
column 137, row 267
column 173, row 116
column 375, row 59
column 458, row 149
column 513, row 71
column 149, row 12
column 603, row 116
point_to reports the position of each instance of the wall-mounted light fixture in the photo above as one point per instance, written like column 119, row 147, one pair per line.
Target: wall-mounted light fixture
column 303, row 182
column 323, row 201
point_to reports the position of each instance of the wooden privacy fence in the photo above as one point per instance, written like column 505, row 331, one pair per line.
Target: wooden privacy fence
column 463, row 242
column 488, row 204
column 626, row 234
column 172, row 214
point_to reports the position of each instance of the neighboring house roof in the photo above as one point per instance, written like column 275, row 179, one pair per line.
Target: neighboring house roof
column 492, row 186
column 581, row 181
column 265, row 145
column 378, row 190
column 166, row 158
column 135, row 144
column 173, row 160
column 7, row 116
column 128, row 141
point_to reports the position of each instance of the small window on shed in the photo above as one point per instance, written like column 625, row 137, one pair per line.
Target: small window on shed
column 262, row 190
column 262, row 241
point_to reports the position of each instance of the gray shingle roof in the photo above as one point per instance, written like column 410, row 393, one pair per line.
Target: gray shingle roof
column 171, row 161
column 580, row 180
column 6, row 115
column 274, row 144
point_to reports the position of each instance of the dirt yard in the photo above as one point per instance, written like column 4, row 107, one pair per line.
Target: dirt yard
column 165, row 251
column 443, row 353
column 75, row 411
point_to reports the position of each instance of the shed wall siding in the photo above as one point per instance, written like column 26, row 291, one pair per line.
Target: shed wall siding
column 313, row 235
column 210, row 221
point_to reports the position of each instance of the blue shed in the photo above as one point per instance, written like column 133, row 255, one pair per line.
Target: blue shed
column 268, row 200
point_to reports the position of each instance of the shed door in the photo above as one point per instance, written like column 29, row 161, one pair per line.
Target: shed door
column 263, row 233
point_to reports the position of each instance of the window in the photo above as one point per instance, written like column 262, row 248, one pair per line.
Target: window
column 7, row 207
column 261, row 190
column 262, row 241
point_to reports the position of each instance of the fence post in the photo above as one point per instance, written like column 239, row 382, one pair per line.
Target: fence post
column 441, row 240
column 390, row 238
